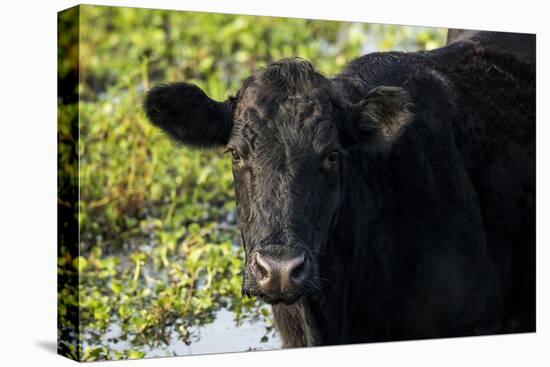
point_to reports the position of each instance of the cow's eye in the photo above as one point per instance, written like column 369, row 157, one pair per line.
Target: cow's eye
column 333, row 157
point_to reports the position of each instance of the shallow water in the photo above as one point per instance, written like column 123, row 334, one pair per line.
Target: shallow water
column 221, row 336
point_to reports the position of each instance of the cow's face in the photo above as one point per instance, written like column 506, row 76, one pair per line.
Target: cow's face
column 287, row 163
column 287, row 131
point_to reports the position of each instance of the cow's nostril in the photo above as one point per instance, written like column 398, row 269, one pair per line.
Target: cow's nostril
column 263, row 267
column 297, row 268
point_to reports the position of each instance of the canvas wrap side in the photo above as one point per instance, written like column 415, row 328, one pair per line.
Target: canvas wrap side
column 67, row 182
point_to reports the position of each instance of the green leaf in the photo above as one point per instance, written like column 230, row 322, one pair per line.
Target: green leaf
column 80, row 263
column 135, row 354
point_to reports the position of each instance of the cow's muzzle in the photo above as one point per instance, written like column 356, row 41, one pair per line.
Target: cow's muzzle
column 279, row 276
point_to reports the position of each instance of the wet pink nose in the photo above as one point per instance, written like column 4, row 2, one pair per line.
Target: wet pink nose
column 279, row 275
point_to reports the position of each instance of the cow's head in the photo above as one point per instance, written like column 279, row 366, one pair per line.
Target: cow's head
column 287, row 131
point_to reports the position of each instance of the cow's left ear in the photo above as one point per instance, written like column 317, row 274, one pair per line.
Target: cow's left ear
column 380, row 117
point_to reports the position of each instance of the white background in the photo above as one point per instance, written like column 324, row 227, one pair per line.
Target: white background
column 28, row 183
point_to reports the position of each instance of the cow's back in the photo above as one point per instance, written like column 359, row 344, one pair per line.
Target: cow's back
column 460, row 183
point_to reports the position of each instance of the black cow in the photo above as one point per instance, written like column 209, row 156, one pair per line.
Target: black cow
column 395, row 200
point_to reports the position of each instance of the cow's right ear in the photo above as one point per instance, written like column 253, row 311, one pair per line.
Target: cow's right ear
column 188, row 115
column 379, row 119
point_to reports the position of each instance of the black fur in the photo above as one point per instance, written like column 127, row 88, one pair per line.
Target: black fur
column 188, row 115
column 408, row 180
column 381, row 115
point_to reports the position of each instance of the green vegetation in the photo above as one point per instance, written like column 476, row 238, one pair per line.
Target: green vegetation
column 159, row 249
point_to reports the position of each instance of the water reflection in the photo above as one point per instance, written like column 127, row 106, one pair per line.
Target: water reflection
column 223, row 335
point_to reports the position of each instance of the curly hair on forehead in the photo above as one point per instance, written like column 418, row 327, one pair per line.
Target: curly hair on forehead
column 288, row 79
column 291, row 75
column 289, row 67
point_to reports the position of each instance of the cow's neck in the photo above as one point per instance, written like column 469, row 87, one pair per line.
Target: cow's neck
column 297, row 324
column 352, row 260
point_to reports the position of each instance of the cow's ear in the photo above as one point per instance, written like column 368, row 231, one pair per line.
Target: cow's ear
column 380, row 117
column 188, row 115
